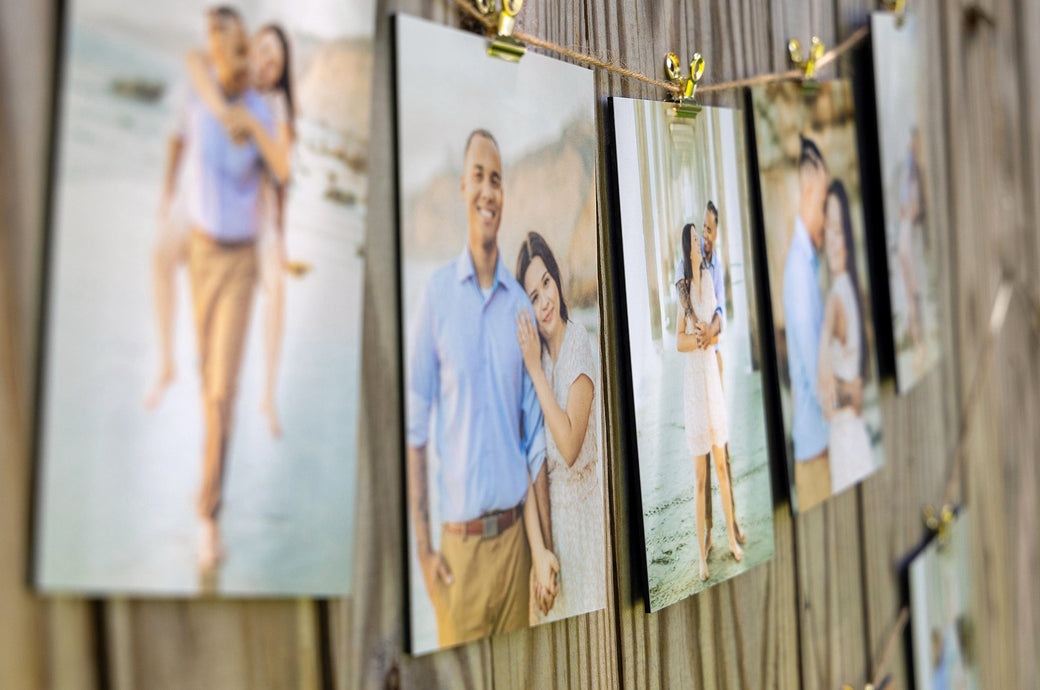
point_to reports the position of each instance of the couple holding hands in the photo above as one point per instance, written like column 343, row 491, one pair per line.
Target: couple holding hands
column 512, row 387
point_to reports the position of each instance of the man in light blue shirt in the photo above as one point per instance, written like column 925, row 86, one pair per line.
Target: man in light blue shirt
column 222, row 182
column 803, row 318
column 466, row 371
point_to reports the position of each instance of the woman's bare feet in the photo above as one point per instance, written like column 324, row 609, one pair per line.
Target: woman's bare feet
column 210, row 550
column 270, row 411
column 166, row 376
column 736, row 551
column 704, row 570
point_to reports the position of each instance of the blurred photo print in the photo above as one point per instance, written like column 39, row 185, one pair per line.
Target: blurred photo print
column 942, row 626
column 202, row 331
column 695, row 346
column 820, row 298
column 910, row 241
column 501, row 326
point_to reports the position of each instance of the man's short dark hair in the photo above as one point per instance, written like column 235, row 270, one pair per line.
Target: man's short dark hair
column 221, row 15
column 714, row 212
column 810, row 154
column 480, row 133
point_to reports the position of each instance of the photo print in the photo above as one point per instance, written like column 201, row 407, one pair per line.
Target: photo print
column 910, row 242
column 202, row 335
column 501, row 327
column 942, row 626
column 695, row 346
column 808, row 174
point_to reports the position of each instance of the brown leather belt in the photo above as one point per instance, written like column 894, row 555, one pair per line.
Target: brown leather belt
column 487, row 526
column 224, row 244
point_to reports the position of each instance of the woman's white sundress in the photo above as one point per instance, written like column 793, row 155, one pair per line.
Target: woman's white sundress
column 575, row 493
column 849, row 447
column 704, row 405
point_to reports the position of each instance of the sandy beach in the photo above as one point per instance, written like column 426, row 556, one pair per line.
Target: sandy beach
column 667, row 483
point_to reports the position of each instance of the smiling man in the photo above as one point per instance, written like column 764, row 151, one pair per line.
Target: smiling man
column 466, row 373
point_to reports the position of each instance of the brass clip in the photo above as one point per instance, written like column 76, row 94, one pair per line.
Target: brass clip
column 898, row 8
column 938, row 522
column 503, row 45
column 685, row 104
column 807, row 63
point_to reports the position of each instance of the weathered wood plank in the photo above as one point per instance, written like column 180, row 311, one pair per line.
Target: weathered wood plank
column 42, row 643
column 203, row 644
column 984, row 150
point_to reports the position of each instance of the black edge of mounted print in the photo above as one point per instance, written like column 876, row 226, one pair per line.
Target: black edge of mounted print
column 58, row 79
column 629, row 446
column 874, row 225
column 395, row 165
column 783, row 480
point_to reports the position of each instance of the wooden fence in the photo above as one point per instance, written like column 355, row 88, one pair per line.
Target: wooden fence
column 816, row 616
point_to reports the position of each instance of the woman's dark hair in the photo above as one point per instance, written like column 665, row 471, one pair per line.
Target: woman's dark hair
column 284, row 83
column 688, row 236
column 535, row 245
column 837, row 190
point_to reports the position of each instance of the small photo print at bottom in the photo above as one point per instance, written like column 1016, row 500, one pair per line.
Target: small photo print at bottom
column 941, row 622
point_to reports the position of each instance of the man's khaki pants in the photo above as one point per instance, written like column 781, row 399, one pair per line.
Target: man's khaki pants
column 223, row 280
column 489, row 594
column 812, row 481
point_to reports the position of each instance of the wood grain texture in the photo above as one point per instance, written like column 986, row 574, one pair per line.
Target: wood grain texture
column 815, row 616
column 42, row 644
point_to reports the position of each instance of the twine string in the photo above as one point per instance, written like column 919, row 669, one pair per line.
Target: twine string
column 620, row 70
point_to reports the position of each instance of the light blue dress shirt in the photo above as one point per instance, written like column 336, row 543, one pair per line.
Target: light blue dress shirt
column 465, row 368
column 222, row 178
column 803, row 316
column 718, row 277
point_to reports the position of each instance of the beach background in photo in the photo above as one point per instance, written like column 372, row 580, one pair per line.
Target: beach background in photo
column 942, row 623
column 117, row 485
column 668, row 169
column 781, row 113
column 541, row 112
column 902, row 106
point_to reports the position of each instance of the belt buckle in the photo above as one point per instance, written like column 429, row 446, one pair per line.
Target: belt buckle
column 490, row 524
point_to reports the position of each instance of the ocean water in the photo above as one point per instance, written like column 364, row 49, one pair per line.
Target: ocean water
column 118, row 482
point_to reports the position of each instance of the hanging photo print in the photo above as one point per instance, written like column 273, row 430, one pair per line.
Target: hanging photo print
column 942, row 626
column 202, row 339
column 819, row 293
column 500, row 295
column 911, row 245
column 694, row 345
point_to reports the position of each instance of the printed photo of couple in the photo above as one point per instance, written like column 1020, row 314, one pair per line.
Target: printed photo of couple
column 503, row 386
column 205, row 279
column 695, row 346
column 909, row 232
column 942, row 624
column 808, row 167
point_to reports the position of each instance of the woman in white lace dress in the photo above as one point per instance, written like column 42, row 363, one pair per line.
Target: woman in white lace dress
column 704, row 406
column 842, row 356
column 561, row 359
